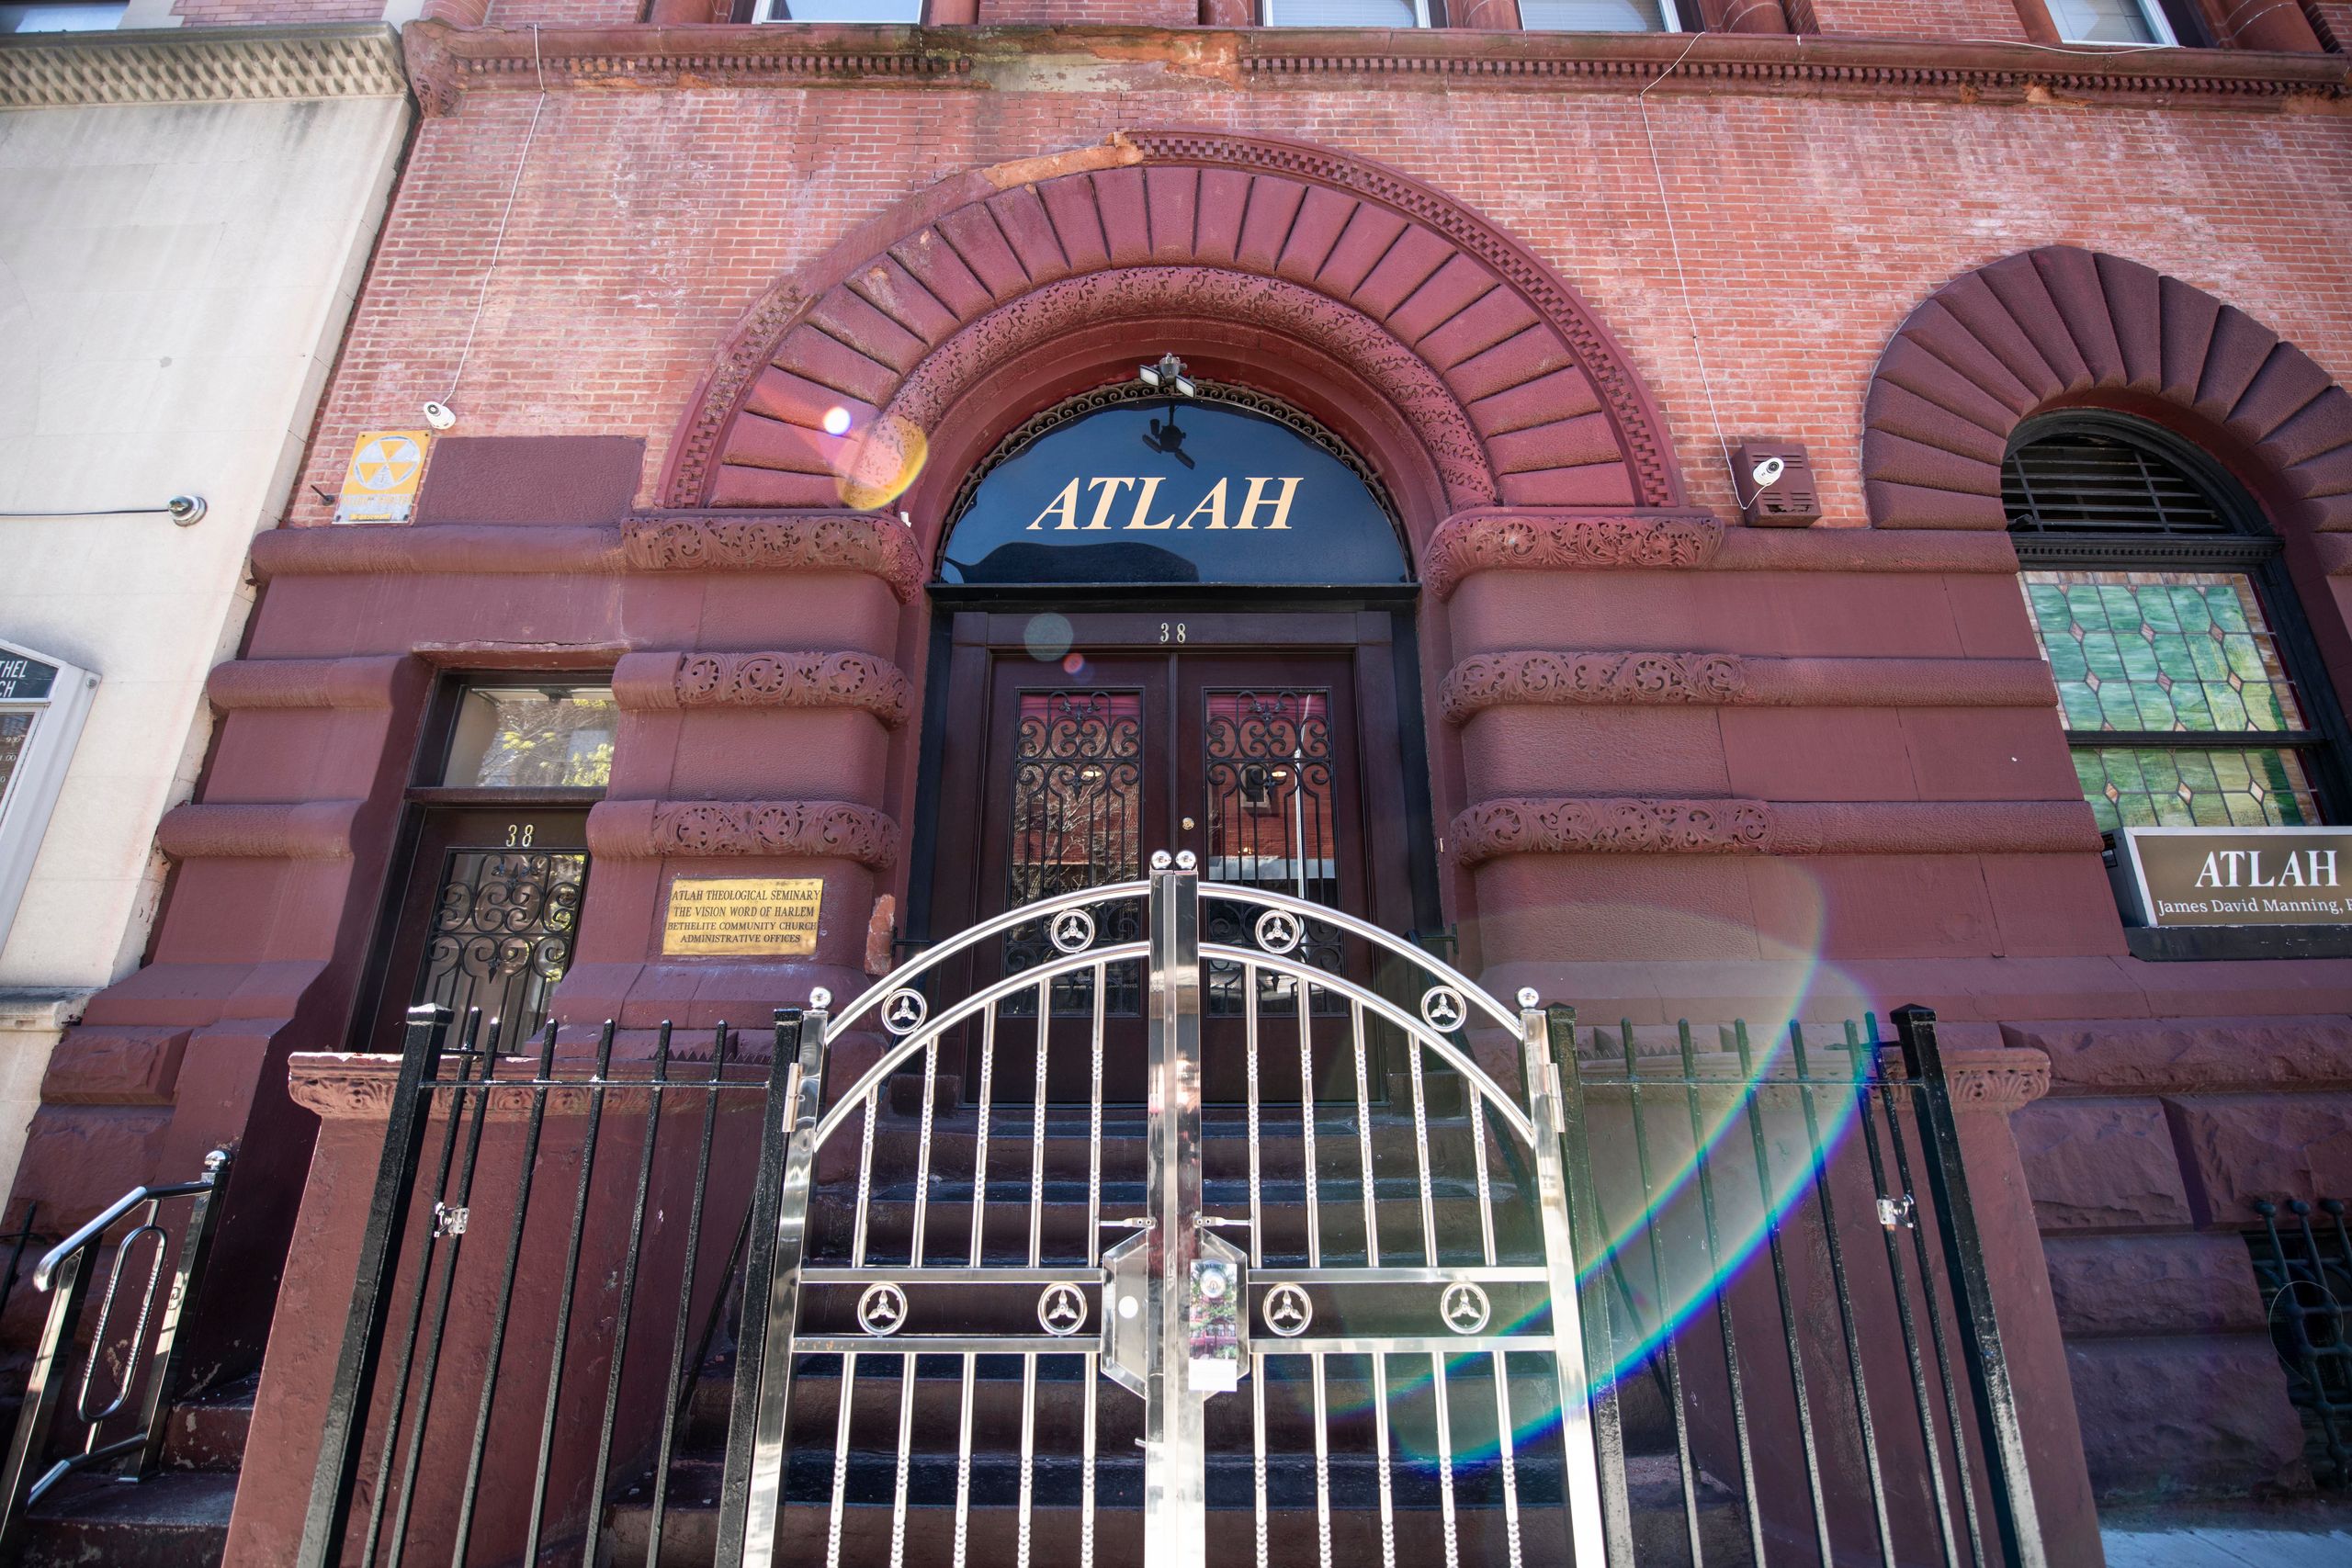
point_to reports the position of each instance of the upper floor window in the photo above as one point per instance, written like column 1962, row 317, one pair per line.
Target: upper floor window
column 2189, row 692
column 1347, row 13
column 909, row 11
column 1599, row 15
column 2112, row 21
column 69, row 17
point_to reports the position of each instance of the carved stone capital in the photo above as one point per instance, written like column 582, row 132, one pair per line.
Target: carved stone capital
column 1566, row 541
column 1497, row 680
column 1996, row 1077
column 794, row 679
column 644, row 829
column 1496, row 827
column 837, row 541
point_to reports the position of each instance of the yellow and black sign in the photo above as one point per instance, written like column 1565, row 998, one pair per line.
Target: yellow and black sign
column 742, row 917
column 387, row 466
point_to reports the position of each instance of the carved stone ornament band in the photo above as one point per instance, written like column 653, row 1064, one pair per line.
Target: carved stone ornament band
column 786, row 679
column 641, row 830
column 838, row 541
column 1494, row 829
column 1525, row 541
column 1658, row 677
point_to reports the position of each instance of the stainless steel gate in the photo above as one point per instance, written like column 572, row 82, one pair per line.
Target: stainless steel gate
column 1284, row 1275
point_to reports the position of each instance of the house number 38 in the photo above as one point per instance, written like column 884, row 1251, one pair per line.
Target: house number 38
column 518, row 835
column 1172, row 631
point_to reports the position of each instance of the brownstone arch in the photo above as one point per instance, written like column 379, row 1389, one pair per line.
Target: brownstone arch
column 2059, row 327
column 1400, row 318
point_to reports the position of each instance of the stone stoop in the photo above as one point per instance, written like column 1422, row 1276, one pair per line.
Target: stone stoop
column 177, row 1517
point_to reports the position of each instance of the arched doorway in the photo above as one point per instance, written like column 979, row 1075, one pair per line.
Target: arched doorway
column 1170, row 622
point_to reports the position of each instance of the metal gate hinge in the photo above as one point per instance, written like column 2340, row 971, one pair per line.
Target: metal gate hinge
column 1897, row 1213
column 448, row 1219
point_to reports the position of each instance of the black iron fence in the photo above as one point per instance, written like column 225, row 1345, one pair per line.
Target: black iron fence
column 129, row 1349
column 549, row 1264
column 1785, row 1305
column 2303, row 1265
column 1784, row 1273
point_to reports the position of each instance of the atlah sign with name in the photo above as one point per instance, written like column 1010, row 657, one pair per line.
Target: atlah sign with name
column 2239, row 876
column 1170, row 491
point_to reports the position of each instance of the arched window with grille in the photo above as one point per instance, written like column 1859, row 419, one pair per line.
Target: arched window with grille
column 2190, row 693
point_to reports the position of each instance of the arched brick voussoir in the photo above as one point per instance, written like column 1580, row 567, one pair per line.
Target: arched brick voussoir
column 1491, row 354
column 2058, row 326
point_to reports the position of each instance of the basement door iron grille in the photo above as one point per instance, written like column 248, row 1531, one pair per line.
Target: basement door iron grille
column 2303, row 1264
column 1544, row 1304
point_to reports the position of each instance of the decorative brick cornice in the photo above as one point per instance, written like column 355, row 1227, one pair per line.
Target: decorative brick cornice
column 447, row 61
column 1536, row 678
column 1537, row 541
column 1576, row 825
column 184, row 65
column 805, row 679
column 825, row 541
column 644, row 829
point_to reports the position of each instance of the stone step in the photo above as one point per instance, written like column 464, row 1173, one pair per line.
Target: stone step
column 206, row 1431
column 178, row 1518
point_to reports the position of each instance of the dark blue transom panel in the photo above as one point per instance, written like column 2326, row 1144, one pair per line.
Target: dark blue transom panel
column 1174, row 492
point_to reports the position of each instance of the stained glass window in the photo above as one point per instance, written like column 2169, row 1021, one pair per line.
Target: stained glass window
column 2188, row 652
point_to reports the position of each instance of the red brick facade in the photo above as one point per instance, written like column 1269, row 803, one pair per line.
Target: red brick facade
column 678, row 238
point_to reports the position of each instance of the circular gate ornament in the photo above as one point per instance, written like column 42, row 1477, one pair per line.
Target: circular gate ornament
column 1287, row 1311
column 1061, row 1310
column 1279, row 931
column 903, row 1011
column 1443, row 1009
column 1464, row 1307
column 1072, row 930
column 882, row 1310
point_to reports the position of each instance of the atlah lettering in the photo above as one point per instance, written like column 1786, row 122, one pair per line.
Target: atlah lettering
column 1266, row 505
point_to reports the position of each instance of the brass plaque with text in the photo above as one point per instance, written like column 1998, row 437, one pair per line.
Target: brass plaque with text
column 742, row 917
column 2239, row 876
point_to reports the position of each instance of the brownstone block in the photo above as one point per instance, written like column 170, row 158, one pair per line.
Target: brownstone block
column 2166, row 1416
column 2242, row 1148
column 2153, row 1285
column 2113, row 1055
column 2104, row 1163
column 114, row 1066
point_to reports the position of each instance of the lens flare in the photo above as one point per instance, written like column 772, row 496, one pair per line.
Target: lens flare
column 837, row 421
column 1074, row 664
column 876, row 464
column 1047, row 638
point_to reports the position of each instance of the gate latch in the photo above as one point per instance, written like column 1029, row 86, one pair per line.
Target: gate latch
column 449, row 1219
column 1896, row 1214
column 1213, row 1316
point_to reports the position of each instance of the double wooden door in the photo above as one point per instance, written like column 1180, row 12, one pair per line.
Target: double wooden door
column 1076, row 747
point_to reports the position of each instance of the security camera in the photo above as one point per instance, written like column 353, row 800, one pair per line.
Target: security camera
column 186, row 510
column 1767, row 472
column 440, row 416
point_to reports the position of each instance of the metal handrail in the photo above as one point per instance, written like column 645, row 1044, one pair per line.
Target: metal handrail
column 65, row 1274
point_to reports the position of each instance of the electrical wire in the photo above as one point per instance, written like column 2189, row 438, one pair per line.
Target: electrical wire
column 498, row 242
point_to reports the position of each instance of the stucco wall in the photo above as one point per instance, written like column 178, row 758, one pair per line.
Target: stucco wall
column 174, row 280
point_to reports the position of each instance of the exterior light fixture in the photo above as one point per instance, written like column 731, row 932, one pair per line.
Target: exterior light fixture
column 1168, row 376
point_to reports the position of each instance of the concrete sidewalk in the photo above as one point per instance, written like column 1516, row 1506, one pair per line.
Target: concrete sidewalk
column 2296, row 1535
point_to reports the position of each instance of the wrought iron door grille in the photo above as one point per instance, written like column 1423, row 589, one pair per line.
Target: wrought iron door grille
column 502, row 929
column 1266, row 769
column 1077, row 822
column 2303, row 1265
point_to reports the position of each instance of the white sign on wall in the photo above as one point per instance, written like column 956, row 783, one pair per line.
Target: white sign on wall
column 42, row 703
